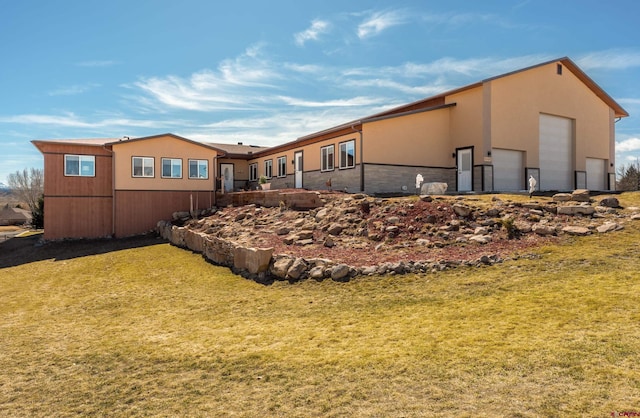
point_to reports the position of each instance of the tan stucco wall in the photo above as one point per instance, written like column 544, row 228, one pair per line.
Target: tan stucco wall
column 419, row 139
column 161, row 147
column 523, row 96
column 466, row 122
column 311, row 154
column 274, row 159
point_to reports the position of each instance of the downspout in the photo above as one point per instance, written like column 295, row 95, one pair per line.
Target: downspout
column 361, row 158
column 113, row 191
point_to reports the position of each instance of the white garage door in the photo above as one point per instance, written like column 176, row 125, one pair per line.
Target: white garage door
column 556, row 169
column 595, row 174
column 508, row 170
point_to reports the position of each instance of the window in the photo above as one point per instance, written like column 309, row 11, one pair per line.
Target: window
column 253, row 172
column 268, row 169
column 143, row 166
column 348, row 154
column 198, row 169
column 327, row 158
column 282, row 166
column 172, row 168
column 559, row 69
column 80, row 165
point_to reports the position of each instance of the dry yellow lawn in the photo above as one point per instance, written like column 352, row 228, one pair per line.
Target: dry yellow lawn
column 157, row 331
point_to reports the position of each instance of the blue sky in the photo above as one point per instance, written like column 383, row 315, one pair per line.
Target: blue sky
column 265, row 73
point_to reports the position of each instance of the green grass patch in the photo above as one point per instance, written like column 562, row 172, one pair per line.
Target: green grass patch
column 157, row 330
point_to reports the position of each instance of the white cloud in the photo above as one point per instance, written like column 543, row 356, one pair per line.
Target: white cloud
column 379, row 21
column 355, row 101
column 405, row 88
column 612, row 59
column 97, row 63
column 70, row 120
column 317, row 28
column 628, row 145
column 629, row 101
column 232, row 87
column 277, row 128
column 73, row 90
column 474, row 69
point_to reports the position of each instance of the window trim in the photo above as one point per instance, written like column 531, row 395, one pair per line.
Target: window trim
column 197, row 177
column 253, row 172
column 81, row 157
column 171, row 166
column 344, row 164
column 326, row 168
column 282, row 163
column 153, row 167
column 268, row 168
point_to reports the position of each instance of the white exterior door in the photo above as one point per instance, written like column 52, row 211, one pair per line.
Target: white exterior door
column 297, row 169
column 556, row 168
column 227, row 177
column 465, row 165
column 508, row 170
column 596, row 174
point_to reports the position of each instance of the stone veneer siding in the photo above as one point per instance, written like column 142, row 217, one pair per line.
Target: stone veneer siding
column 347, row 179
column 380, row 178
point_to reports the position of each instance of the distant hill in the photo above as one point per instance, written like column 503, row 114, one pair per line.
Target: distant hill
column 4, row 187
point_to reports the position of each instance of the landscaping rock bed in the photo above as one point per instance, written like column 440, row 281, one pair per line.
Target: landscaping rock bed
column 357, row 234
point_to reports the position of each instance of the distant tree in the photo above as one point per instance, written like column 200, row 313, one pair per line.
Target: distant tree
column 629, row 177
column 28, row 186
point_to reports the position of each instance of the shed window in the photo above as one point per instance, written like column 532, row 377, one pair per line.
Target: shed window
column 80, row 165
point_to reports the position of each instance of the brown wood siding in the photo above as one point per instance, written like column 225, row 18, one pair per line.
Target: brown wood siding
column 76, row 207
column 57, row 184
column 77, row 217
column 138, row 211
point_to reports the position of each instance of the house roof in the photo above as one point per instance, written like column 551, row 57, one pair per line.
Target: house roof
column 235, row 150
column 232, row 150
column 146, row 138
column 14, row 214
column 82, row 141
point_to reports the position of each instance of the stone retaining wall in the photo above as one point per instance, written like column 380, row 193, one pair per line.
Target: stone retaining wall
column 298, row 199
column 263, row 266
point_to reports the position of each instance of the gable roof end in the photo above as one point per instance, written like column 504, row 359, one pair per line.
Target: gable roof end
column 619, row 110
column 582, row 76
